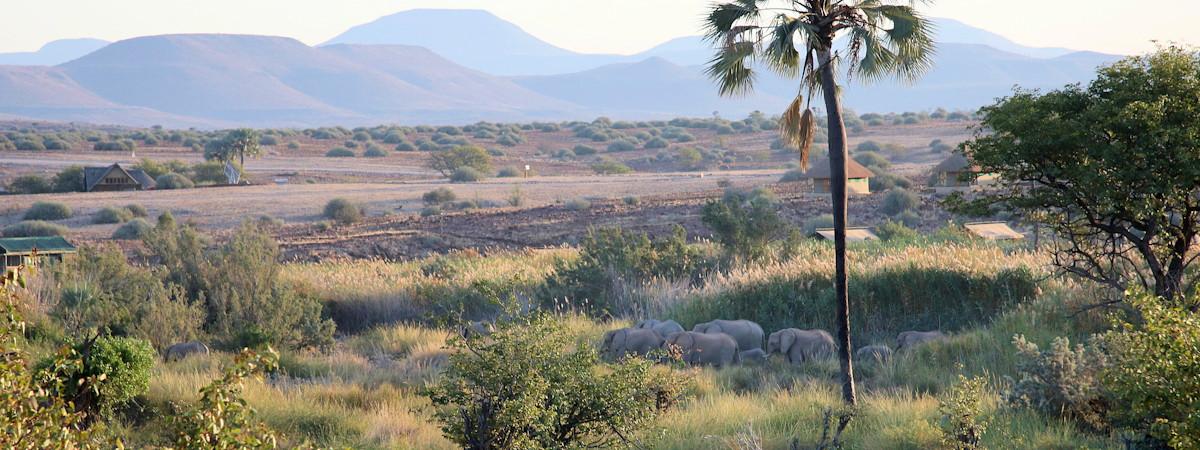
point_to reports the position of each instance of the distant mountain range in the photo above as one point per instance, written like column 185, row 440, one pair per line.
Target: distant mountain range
column 419, row 67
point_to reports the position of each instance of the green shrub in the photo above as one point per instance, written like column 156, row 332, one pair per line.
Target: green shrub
column 909, row 218
column 432, row 210
column 48, row 211
column 120, row 365
column 792, row 176
column 109, row 215
column 1061, row 381
column 29, row 184
column 209, row 172
column 962, row 422
column 69, row 179
column 375, row 151
column 340, row 152
column 1153, row 373
column 891, row 230
column 176, row 181
column 447, row 162
column 508, row 172
column 33, row 228
column 137, row 210
column 898, row 201
column 621, row 146
column 577, row 204
column 222, row 418
column 466, row 175
column 583, row 150
column 744, row 222
column 872, row 159
column 610, row 167
column 134, row 229
column 343, row 211
column 527, row 386
column 631, row 200
column 439, row 196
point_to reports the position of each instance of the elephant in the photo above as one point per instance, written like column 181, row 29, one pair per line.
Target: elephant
column 625, row 341
column 711, row 349
column 183, row 350
column 879, row 353
column 480, row 328
column 747, row 334
column 800, row 346
column 912, row 339
column 754, row 356
column 664, row 328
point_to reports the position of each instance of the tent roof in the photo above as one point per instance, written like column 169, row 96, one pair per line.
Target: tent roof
column 26, row 245
column 820, row 170
column 995, row 231
column 93, row 175
column 955, row 163
column 853, row 234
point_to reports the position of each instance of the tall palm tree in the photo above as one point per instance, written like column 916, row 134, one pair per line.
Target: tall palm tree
column 797, row 38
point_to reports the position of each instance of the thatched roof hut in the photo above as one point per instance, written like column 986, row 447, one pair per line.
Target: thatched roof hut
column 857, row 176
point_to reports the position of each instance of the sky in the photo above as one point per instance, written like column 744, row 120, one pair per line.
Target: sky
column 592, row 26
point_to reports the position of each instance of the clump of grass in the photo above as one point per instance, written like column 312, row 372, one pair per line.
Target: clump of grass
column 48, row 211
column 340, row 152
column 577, row 204
column 343, row 211
column 34, row 228
column 110, row 215
column 134, row 229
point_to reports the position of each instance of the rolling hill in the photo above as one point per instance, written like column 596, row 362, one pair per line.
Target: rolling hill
column 53, row 53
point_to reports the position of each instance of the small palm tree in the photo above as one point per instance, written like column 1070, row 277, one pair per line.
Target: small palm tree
column 796, row 38
column 243, row 141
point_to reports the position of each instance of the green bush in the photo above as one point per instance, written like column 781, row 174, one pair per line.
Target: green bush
column 466, row 175
column 176, row 181
column 1061, row 381
column 29, row 184
column 744, row 222
column 621, row 146
column 222, row 415
column 872, row 159
column 137, row 210
column 343, row 211
column 69, row 179
column 508, row 172
column 447, row 162
column 120, row 365
column 439, row 196
column 891, row 230
column 374, row 151
column 33, row 228
column 109, row 215
column 898, row 201
column 340, row 152
column 48, row 211
column 209, row 172
column 610, row 167
column 583, row 150
column 1154, row 372
column 611, row 256
column 577, row 204
column 528, row 386
column 430, row 211
column 134, row 229
column 962, row 422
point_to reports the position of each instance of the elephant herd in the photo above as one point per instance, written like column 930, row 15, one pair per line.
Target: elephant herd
column 723, row 343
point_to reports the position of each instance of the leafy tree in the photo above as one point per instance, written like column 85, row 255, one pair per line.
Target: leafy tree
column 529, row 386
column 446, row 162
column 69, row 179
column 797, row 39
column 1110, row 168
column 744, row 222
column 241, row 142
column 29, row 184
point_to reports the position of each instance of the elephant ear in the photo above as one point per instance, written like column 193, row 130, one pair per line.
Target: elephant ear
column 786, row 341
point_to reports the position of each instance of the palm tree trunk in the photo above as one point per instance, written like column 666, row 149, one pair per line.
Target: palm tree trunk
column 837, row 186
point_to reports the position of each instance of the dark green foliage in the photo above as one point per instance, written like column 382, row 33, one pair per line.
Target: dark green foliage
column 121, row 367
column 1062, row 381
column 33, row 228
column 872, row 159
column 29, row 184
column 744, row 222
column 610, row 258
column 621, row 146
column 508, row 172
column 1154, row 372
column 583, row 150
column 69, row 179
column 448, row 161
column 109, row 215
column 528, row 386
column 375, row 151
column 405, row 147
column 610, row 167
column 48, row 211
column 340, row 152
column 438, row 196
column 891, row 230
column 175, row 181
column 898, row 201
column 962, row 422
column 656, row 142
column 209, row 172
column 343, row 211
column 466, row 175
column 133, row 230
column 123, row 145
column 137, row 210
column 868, row 146
column 29, row 144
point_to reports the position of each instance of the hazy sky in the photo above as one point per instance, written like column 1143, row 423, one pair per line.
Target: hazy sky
column 608, row 26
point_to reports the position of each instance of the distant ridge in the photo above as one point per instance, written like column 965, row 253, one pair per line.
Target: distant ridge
column 53, row 53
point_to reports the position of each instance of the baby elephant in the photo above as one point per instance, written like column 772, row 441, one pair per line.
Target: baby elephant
column 180, row 351
column 477, row 329
column 718, row 350
column 913, row 339
column 753, row 357
column 877, row 353
column 637, row 341
column 747, row 334
column 800, row 346
column 664, row 328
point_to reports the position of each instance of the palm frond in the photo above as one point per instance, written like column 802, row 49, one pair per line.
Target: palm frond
column 797, row 128
column 724, row 17
column 730, row 68
column 780, row 52
column 890, row 40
